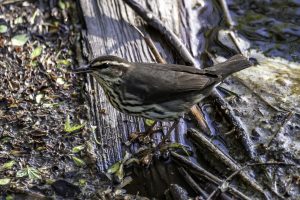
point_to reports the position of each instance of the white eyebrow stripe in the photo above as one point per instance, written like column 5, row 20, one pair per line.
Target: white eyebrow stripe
column 113, row 63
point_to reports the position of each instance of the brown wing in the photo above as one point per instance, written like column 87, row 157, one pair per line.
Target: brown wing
column 156, row 83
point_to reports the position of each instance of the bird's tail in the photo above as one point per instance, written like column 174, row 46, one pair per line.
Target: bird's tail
column 230, row 66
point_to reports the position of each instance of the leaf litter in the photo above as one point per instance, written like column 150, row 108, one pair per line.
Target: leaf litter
column 37, row 95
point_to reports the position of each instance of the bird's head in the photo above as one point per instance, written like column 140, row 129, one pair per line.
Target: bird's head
column 106, row 68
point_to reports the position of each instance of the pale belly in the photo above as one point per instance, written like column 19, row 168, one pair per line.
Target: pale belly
column 168, row 110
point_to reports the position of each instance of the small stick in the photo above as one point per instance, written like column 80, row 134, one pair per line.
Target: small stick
column 287, row 119
column 6, row 2
column 199, row 117
column 155, row 22
column 229, row 178
column 214, row 194
column 256, row 94
column 194, row 168
column 235, row 42
column 246, row 141
column 228, row 18
column 168, row 134
column 201, row 139
column 151, row 46
column 231, row 24
column 192, row 182
column 30, row 194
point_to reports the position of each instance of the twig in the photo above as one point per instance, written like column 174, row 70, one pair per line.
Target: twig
column 287, row 119
column 6, row 2
column 207, row 175
column 256, row 94
column 231, row 93
column 235, row 42
column 214, row 194
column 228, row 18
column 194, row 167
column 151, row 46
column 229, row 178
column 231, row 24
column 30, row 194
column 168, row 134
column 201, row 139
column 155, row 22
column 199, row 117
column 192, row 182
column 246, row 141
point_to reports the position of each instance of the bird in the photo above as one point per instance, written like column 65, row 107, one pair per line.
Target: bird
column 160, row 92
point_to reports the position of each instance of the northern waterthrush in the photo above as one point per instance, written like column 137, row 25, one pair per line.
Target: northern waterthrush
column 158, row 91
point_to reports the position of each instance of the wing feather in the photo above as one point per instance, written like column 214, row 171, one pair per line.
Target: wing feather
column 175, row 81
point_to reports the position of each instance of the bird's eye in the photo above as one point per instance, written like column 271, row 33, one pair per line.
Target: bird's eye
column 104, row 65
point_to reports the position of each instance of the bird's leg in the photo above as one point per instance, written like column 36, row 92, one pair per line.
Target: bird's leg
column 146, row 135
column 150, row 130
column 168, row 134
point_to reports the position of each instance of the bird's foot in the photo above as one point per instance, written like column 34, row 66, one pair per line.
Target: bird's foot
column 143, row 137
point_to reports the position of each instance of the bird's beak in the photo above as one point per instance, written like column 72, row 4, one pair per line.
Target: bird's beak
column 82, row 69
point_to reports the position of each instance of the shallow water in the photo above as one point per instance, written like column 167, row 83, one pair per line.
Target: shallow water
column 272, row 27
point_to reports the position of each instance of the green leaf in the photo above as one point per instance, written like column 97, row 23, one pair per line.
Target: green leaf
column 18, row 20
column 49, row 181
column 78, row 161
column 19, row 40
column 4, row 181
column 32, row 19
column 61, row 5
column 64, row 62
column 21, row 173
column 114, row 168
column 33, row 173
column 7, row 165
column 149, row 122
column 33, row 63
column 78, row 148
column 82, row 182
column 132, row 160
column 71, row 128
column 3, row 29
column 6, row 139
column 176, row 146
column 36, row 52
column 117, row 169
column 9, row 197
column 120, row 173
